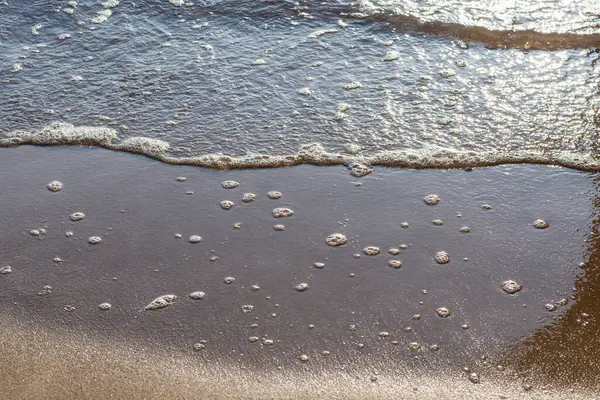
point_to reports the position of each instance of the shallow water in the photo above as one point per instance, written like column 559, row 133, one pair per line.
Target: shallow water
column 185, row 75
column 137, row 206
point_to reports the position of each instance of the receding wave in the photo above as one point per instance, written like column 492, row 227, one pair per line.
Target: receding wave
column 64, row 134
column 527, row 39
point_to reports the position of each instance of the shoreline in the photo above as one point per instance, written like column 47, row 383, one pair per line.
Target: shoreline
column 64, row 134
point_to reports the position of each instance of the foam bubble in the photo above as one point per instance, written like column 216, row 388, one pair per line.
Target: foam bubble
column 353, row 148
column 431, row 199
column 302, row 287
column 486, row 206
column 414, row 346
column 541, row 224
column 383, row 334
column 105, row 306
column 259, row 61
column 405, row 225
column 54, row 186
column 391, row 56
column 550, row 307
column 77, row 216
column 229, row 280
column 180, row 179
column 197, row 295
column 336, row 239
column 305, row 91
column 199, row 346
column 102, row 16
column 441, row 257
column 94, row 239
column 227, row 205
column 434, row 347
column 5, row 270
column 268, row 342
column 371, row 250
column 195, row 239
column 255, row 287
column 274, row 195
column 143, row 145
column 394, row 251
column 229, row 184
column 110, row 3
column 465, row 229
column 352, row 85
column 69, row 234
column 248, row 197
column 359, row 169
column 438, row 222
column 473, row 377
column 35, row 29
column 161, row 302
column 248, row 308
column 511, row 287
column 443, row 312
column 280, row 212
column 395, row 263
column 253, row 339
column 319, row 265
column 322, row 32
column 17, row 67
column 63, row 36
column 279, row 227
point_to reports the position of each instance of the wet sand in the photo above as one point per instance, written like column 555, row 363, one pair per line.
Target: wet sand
column 59, row 343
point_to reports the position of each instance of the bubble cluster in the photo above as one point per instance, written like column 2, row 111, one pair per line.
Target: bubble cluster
column 441, row 257
column 259, row 61
column 438, row 222
column 550, row 307
column 541, row 224
column 229, row 184
column 511, row 287
column 371, row 250
column 336, row 239
column 391, row 56
column 54, row 186
column 359, row 169
column 161, row 302
column 431, row 199
column 195, row 239
column 274, row 195
column 248, row 197
column 35, row 232
column 105, row 306
column 395, row 263
column 77, row 216
column 443, row 312
column 465, row 229
column 305, row 91
column 5, row 270
column 486, row 207
column 394, row 251
column 414, row 346
column 180, row 179
column 227, row 205
column 197, row 295
column 302, row 287
column 229, row 280
column 279, row 227
column 248, row 308
column 201, row 345
column 352, row 85
column 303, row 358
column 280, row 212
column 94, row 239
column 383, row 334
column 473, row 377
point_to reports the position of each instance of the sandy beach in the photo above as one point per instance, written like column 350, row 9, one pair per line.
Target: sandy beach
column 362, row 329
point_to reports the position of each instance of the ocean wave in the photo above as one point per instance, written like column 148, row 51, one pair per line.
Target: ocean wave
column 64, row 134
